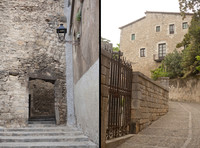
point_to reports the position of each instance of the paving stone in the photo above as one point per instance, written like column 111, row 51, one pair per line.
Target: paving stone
column 179, row 128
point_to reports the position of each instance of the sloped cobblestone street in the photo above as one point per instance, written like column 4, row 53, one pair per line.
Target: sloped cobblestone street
column 179, row 128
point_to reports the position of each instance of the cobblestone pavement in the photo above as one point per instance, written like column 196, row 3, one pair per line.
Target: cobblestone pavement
column 179, row 128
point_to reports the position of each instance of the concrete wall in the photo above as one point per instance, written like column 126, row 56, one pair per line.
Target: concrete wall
column 186, row 90
column 149, row 101
column 147, row 37
column 86, row 96
column 29, row 47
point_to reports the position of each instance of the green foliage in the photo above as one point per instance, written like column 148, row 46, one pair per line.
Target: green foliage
column 187, row 5
column 185, row 42
column 159, row 72
column 172, row 62
column 170, row 67
column 116, row 48
column 192, row 43
column 78, row 16
column 198, row 59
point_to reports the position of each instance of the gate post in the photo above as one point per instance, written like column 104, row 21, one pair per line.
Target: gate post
column 105, row 69
column 135, row 104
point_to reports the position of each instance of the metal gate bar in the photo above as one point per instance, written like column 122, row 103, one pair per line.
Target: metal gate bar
column 119, row 97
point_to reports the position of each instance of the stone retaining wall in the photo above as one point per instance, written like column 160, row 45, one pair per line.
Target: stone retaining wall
column 186, row 90
column 149, row 101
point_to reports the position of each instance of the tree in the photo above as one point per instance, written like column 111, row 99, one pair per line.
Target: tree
column 191, row 42
column 198, row 59
column 116, row 48
column 189, row 5
column 159, row 72
column 170, row 67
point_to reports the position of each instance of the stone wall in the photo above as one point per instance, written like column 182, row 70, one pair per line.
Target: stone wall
column 105, row 71
column 186, row 90
column 149, row 102
column 147, row 37
column 29, row 47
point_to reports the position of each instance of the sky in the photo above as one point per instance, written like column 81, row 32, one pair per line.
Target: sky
column 117, row 13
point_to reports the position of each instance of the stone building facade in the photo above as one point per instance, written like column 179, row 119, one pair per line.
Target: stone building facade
column 32, row 62
column 147, row 40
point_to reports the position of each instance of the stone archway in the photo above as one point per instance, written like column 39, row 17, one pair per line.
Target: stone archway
column 41, row 100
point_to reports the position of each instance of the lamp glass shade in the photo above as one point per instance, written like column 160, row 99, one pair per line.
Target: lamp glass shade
column 61, row 32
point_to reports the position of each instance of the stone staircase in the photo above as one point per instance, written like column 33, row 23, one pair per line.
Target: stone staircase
column 44, row 136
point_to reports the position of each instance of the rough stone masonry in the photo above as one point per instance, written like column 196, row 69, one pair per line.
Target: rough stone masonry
column 29, row 49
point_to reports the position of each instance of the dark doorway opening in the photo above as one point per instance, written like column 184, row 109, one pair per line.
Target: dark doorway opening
column 41, row 100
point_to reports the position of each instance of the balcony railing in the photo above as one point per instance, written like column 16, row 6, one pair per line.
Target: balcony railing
column 158, row 58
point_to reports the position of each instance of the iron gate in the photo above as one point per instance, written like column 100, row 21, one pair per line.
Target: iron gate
column 119, row 111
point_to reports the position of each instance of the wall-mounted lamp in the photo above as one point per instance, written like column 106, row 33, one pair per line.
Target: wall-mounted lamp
column 61, row 32
column 61, row 35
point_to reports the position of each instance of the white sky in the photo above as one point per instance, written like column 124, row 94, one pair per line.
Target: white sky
column 117, row 13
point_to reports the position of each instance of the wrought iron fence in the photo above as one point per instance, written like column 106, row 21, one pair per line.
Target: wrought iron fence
column 119, row 111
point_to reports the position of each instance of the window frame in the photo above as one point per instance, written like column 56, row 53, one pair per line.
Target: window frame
column 162, row 50
column 185, row 25
column 171, row 29
column 133, row 34
column 157, row 28
column 142, row 52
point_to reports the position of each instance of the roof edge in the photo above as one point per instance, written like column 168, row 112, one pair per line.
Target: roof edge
column 162, row 12
column 167, row 12
column 132, row 22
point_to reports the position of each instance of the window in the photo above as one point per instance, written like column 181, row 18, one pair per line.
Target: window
column 157, row 28
column 185, row 25
column 133, row 37
column 171, row 29
column 161, row 50
column 142, row 52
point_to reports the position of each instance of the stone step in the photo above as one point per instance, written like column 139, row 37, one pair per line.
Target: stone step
column 41, row 125
column 9, row 133
column 43, row 138
column 38, row 129
column 41, row 122
column 75, row 144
